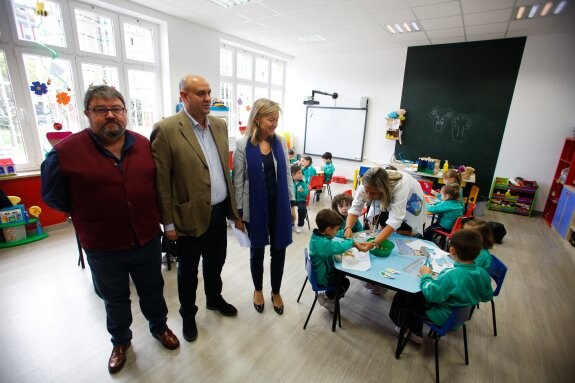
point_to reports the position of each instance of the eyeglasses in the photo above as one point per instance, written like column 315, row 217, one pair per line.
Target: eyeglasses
column 101, row 111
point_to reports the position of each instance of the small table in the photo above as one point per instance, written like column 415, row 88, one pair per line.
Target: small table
column 407, row 264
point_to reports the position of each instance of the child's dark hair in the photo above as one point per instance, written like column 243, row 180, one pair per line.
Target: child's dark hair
column 453, row 174
column 327, row 218
column 339, row 199
column 295, row 169
column 326, row 156
column 451, row 191
column 308, row 159
column 291, row 152
column 483, row 228
column 467, row 244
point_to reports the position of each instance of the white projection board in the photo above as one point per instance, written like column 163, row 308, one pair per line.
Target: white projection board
column 339, row 131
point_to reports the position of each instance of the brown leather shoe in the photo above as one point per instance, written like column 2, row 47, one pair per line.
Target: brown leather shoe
column 118, row 358
column 168, row 339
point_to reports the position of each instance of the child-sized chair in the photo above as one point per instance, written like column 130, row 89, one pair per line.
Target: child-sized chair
column 456, row 320
column 497, row 271
column 328, row 188
column 316, row 183
column 316, row 288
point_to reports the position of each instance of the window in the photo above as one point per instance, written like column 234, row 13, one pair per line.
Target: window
column 95, row 33
column 11, row 142
column 48, row 62
column 40, row 29
column 245, row 77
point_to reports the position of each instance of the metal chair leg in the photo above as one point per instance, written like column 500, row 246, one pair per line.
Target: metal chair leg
column 310, row 311
column 80, row 252
column 301, row 292
column 465, row 344
column 437, row 360
column 494, row 320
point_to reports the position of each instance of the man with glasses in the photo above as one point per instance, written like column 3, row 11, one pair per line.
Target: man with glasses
column 104, row 177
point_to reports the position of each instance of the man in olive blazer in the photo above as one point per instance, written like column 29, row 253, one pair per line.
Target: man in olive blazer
column 195, row 195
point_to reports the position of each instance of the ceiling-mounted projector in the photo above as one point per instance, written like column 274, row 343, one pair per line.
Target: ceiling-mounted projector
column 311, row 101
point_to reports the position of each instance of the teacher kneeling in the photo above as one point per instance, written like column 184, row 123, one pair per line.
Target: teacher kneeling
column 400, row 199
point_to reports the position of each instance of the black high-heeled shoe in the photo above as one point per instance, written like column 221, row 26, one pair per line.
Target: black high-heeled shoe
column 277, row 309
column 259, row 308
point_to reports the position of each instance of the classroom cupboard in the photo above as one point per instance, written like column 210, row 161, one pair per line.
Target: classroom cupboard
column 565, row 212
column 564, row 175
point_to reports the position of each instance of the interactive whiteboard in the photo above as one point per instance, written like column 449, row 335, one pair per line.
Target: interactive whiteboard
column 339, row 131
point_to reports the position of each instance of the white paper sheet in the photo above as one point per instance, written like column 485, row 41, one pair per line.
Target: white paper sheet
column 241, row 236
column 359, row 261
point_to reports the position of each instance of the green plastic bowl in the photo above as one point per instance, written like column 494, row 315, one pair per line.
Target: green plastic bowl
column 385, row 248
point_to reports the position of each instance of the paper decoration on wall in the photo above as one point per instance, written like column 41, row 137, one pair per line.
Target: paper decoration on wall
column 40, row 11
column 39, row 88
column 248, row 108
column 240, row 101
column 62, row 98
column 57, row 126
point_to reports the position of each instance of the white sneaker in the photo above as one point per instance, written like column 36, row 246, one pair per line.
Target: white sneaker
column 323, row 300
column 298, row 229
column 415, row 338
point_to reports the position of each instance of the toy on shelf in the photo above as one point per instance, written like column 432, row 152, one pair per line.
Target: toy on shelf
column 394, row 121
column 13, row 221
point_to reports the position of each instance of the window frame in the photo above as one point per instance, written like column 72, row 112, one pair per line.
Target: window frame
column 14, row 49
column 235, row 81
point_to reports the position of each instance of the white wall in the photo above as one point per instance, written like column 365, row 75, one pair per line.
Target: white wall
column 542, row 112
column 377, row 75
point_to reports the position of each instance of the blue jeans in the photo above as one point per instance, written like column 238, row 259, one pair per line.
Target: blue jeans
column 111, row 271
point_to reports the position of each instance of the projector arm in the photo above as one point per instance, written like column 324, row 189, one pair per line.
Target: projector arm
column 313, row 92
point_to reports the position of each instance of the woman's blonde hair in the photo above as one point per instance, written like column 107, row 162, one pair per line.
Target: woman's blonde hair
column 260, row 108
column 383, row 180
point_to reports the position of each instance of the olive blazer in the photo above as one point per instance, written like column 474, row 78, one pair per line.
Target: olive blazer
column 183, row 177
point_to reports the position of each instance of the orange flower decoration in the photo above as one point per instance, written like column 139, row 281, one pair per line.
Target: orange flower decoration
column 62, row 98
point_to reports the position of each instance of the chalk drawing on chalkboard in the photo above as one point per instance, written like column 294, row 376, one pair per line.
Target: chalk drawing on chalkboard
column 459, row 127
column 440, row 118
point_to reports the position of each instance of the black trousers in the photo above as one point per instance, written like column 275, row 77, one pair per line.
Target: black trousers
column 301, row 213
column 403, row 307
column 277, row 256
column 211, row 247
column 428, row 234
column 111, row 272
column 342, row 283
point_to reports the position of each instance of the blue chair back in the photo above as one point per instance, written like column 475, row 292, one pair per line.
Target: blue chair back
column 497, row 271
column 311, row 275
column 455, row 320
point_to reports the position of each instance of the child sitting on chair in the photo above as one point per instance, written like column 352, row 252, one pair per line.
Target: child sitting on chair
column 328, row 170
column 341, row 204
column 484, row 258
column 328, row 167
column 292, row 159
column 301, row 192
column 466, row 284
column 451, row 178
column 322, row 249
column 448, row 208
column 306, row 168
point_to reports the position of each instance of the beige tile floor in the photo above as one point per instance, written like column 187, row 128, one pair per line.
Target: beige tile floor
column 52, row 326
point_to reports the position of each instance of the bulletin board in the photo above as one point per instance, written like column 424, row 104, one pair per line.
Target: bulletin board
column 340, row 131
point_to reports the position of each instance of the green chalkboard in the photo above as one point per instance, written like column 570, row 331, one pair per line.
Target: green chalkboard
column 457, row 98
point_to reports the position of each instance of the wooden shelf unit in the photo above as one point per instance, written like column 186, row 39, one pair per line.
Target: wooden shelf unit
column 512, row 199
column 566, row 160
